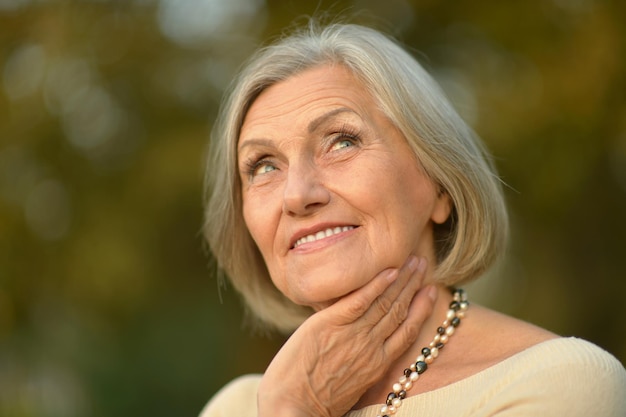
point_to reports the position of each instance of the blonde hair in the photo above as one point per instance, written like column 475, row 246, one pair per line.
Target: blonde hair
column 449, row 151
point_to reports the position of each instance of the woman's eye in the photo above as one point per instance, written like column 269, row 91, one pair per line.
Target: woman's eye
column 264, row 168
column 343, row 143
column 261, row 167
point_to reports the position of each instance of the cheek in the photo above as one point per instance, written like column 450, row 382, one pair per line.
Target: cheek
column 409, row 204
column 262, row 222
column 253, row 219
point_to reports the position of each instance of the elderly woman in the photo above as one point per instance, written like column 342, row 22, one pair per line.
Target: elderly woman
column 347, row 199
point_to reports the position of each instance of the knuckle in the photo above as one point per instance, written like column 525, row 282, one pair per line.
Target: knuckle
column 382, row 305
column 410, row 332
column 356, row 307
column 398, row 313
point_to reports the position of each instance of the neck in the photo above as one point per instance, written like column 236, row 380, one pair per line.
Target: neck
column 378, row 392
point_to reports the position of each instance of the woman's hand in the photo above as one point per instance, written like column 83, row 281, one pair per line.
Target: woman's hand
column 341, row 351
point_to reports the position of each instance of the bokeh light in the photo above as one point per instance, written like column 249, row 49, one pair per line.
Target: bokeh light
column 108, row 301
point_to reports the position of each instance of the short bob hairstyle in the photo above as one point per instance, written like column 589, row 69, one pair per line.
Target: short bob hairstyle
column 449, row 151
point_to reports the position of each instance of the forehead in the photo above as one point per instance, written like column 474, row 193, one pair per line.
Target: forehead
column 302, row 97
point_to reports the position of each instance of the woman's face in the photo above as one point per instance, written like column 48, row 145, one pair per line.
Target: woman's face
column 332, row 192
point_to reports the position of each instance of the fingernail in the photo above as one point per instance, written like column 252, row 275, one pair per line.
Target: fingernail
column 421, row 267
column 413, row 263
column 391, row 275
column 432, row 292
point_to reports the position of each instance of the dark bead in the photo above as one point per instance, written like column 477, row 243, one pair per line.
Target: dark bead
column 390, row 397
column 456, row 306
column 402, row 394
column 421, row 367
column 441, row 330
column 425, row 351
column 439, row 345
column 407, row 372
column 385, row 415
column 455, row 322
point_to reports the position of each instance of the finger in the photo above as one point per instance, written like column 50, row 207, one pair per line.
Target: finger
column 353, row 306
column 406, row 334
column 391, row 307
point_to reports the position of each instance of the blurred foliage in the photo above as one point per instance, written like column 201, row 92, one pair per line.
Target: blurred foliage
column 108, row 303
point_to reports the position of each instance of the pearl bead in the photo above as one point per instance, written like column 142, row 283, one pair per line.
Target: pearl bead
column 435, row 352
column 454, row 315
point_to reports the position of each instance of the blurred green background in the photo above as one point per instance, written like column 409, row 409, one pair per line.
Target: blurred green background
column 108, row 304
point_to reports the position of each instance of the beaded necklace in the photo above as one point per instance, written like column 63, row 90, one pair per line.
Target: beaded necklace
column 455, row 313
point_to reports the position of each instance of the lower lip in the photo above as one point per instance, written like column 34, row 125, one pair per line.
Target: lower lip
column 321, row 244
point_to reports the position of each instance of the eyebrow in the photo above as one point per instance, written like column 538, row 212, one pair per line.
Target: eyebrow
column 312, row 127
column 317, row 122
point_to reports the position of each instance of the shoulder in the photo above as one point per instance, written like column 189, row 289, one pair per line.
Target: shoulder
column 525, row 370
column 565, row 376
column 571, row 355
column 237, row 398
column 567, row 349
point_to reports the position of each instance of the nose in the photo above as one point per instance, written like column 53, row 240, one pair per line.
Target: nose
column 304, row 191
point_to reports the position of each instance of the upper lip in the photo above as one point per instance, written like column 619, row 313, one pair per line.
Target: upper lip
column 300, row 233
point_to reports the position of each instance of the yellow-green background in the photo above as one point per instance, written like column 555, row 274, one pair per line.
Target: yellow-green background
column 108, row 306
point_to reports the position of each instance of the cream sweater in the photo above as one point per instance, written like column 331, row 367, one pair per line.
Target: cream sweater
column 560, row 377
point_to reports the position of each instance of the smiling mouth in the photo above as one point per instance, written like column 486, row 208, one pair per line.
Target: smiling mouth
column 322, row 234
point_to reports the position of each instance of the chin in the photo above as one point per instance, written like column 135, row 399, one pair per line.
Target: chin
column 321, row 295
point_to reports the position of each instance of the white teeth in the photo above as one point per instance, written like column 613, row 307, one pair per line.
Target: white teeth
column 322, row 234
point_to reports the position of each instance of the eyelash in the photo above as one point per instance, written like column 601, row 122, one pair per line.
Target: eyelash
column 345, row 133
column 253, row 164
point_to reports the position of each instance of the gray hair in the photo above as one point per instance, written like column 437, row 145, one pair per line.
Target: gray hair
column 451, row 154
